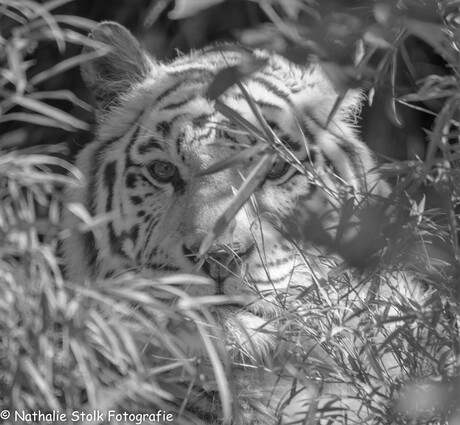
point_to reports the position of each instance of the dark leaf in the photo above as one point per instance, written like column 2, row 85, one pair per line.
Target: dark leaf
column 347, row 76
column 379, row 37
column 430, row 33
column 234, row 74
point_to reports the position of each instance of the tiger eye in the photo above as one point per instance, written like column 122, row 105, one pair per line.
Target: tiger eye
column 279, row 168
column 163, row 171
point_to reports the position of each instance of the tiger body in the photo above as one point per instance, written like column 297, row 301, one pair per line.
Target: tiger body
column 158, row 132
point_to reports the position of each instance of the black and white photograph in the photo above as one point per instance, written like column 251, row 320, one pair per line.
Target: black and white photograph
column 230, row 212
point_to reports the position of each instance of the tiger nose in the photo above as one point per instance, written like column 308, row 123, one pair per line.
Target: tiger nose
column 220, row 259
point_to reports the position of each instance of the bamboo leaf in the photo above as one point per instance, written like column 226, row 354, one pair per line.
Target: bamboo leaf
column 185, row 8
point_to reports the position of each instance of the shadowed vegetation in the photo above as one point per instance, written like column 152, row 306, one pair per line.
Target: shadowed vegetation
column 116, row 344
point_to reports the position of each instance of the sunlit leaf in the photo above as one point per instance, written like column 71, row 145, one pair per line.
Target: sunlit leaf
column 17, row 70
column 49, row 112
column 76, row 21
column 186, row 8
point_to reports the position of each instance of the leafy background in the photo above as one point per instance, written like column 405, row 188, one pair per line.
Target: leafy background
column 59, row 343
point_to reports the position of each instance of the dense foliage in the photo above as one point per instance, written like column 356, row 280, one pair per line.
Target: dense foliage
column 70, row 347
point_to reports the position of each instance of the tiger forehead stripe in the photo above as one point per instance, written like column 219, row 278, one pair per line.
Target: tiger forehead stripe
column 108, row 180
column 204, row 135
column 129, row 148
column 179, row 142
column 272, row 88
column 202, row 119
column 96, row 164
column 191, row 76
column 186, row 78
column 267, row 104
column 177, row 105
column 170, row 90
column 149, row 145
column 191, row 73
column 164, row 128
column 264, row 103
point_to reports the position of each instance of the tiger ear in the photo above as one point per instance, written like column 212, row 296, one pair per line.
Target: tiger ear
column 114, row 73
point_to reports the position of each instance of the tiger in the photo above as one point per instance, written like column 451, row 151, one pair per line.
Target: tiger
column 158, row 134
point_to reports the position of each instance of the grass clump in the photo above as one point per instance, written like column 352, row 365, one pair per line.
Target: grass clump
column 65, row 347
column 118, row 344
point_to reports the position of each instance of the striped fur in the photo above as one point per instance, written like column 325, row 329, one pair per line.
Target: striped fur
column 152, row 111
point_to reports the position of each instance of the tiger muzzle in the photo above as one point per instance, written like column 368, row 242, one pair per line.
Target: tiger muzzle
column 221, row 261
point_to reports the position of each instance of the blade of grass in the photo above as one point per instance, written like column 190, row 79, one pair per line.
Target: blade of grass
column 32, row 371
column 61, row 95
column 35, row 119
column 16, row 72
column 237, row 159
column 6, row 12
column 76, row 21
column 54, row 4
column 79, row 350
column 235, row 117
column 66, row 65
column 269, row 135
column 218, row 369
column 39, row 10
column 335, row 107
column 252, row 182
column 50, row 112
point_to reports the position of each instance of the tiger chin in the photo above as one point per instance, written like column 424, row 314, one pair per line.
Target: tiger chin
column 157, row 134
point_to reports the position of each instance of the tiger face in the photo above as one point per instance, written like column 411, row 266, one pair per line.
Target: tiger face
column 158, row 133
column 147, row 171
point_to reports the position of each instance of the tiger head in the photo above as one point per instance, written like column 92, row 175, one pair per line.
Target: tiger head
column 158, row 136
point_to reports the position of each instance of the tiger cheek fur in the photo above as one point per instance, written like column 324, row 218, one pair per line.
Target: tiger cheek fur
column 157, row 131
